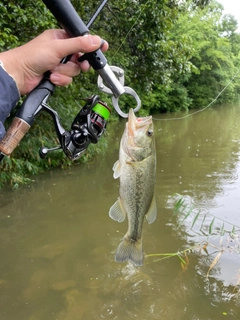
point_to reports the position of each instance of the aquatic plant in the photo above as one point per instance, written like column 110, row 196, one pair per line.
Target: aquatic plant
column 186, row 211
column 218, row 236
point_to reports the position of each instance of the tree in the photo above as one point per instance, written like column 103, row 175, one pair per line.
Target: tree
column 212, row 57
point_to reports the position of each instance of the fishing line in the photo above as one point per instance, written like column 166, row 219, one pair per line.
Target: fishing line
column 189, row 115
column 130, row 30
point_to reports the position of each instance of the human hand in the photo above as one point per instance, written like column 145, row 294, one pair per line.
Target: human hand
column 28, row 63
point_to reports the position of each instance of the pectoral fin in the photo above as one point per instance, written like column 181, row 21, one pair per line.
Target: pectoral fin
column 152, row 212
column 116, row 212
column 116, row 169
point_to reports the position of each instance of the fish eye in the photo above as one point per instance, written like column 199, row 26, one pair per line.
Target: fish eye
column 150, row 133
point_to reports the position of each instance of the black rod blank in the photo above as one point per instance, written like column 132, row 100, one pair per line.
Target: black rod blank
column 67, row 17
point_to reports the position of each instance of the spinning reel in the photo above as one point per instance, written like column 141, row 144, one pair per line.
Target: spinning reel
column 87, row 127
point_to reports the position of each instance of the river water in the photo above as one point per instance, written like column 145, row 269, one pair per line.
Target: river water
column 57, row 242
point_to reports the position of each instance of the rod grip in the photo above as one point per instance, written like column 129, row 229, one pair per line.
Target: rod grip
column 13, row 136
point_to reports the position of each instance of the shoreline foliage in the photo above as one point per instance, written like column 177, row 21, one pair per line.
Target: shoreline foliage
column 178, row 55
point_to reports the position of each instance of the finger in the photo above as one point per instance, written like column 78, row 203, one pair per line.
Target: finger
column 85, row 66
column 73, row 45
column 68, row 69
column 60, row 79
column 52, row 34
column 60, row 34
column 104, row 46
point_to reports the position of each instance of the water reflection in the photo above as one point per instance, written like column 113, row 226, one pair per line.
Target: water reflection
column 57, row 243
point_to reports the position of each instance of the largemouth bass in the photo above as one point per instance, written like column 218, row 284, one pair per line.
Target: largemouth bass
column 136, row 169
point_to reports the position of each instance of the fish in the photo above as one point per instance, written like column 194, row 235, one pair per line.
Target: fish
column 136, row 170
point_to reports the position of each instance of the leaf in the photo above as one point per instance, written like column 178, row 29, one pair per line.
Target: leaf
column 178, row 205
column 222, row 232
column 203, row 222
column 233, row 231
column 181, row 259
column 186, row 262
column 215, row 261
column 204, row 248
column 186, row 215
column 195, row 219
column 211, row 226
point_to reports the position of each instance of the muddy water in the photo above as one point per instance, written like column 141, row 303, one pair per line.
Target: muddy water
column 57, row 243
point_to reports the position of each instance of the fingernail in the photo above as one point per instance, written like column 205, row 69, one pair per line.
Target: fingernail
column 102, row 43
column 95, row 40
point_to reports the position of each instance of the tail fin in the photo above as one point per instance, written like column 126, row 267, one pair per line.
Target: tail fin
column 130, row 250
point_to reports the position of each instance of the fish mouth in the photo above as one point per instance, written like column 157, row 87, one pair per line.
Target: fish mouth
column 135, row 123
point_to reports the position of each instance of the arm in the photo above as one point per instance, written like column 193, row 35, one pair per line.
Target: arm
column 8, row 97
column 23, row 67
column 27, row 63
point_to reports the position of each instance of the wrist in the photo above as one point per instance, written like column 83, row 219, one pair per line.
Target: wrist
column 8, row 59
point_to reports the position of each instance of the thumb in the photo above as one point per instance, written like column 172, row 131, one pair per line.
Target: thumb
column 65, row 47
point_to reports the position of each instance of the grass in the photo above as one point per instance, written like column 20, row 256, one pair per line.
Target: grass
column 185, row 211
column 206, row 225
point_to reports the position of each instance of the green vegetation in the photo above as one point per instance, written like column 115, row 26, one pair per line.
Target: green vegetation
column 217, row 236
column 176, row 55
column 202, row 222
column 214, row 236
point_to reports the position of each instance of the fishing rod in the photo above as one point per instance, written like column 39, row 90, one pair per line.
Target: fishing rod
column 91, row 121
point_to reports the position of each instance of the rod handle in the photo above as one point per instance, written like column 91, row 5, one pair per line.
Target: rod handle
column 13, row 136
